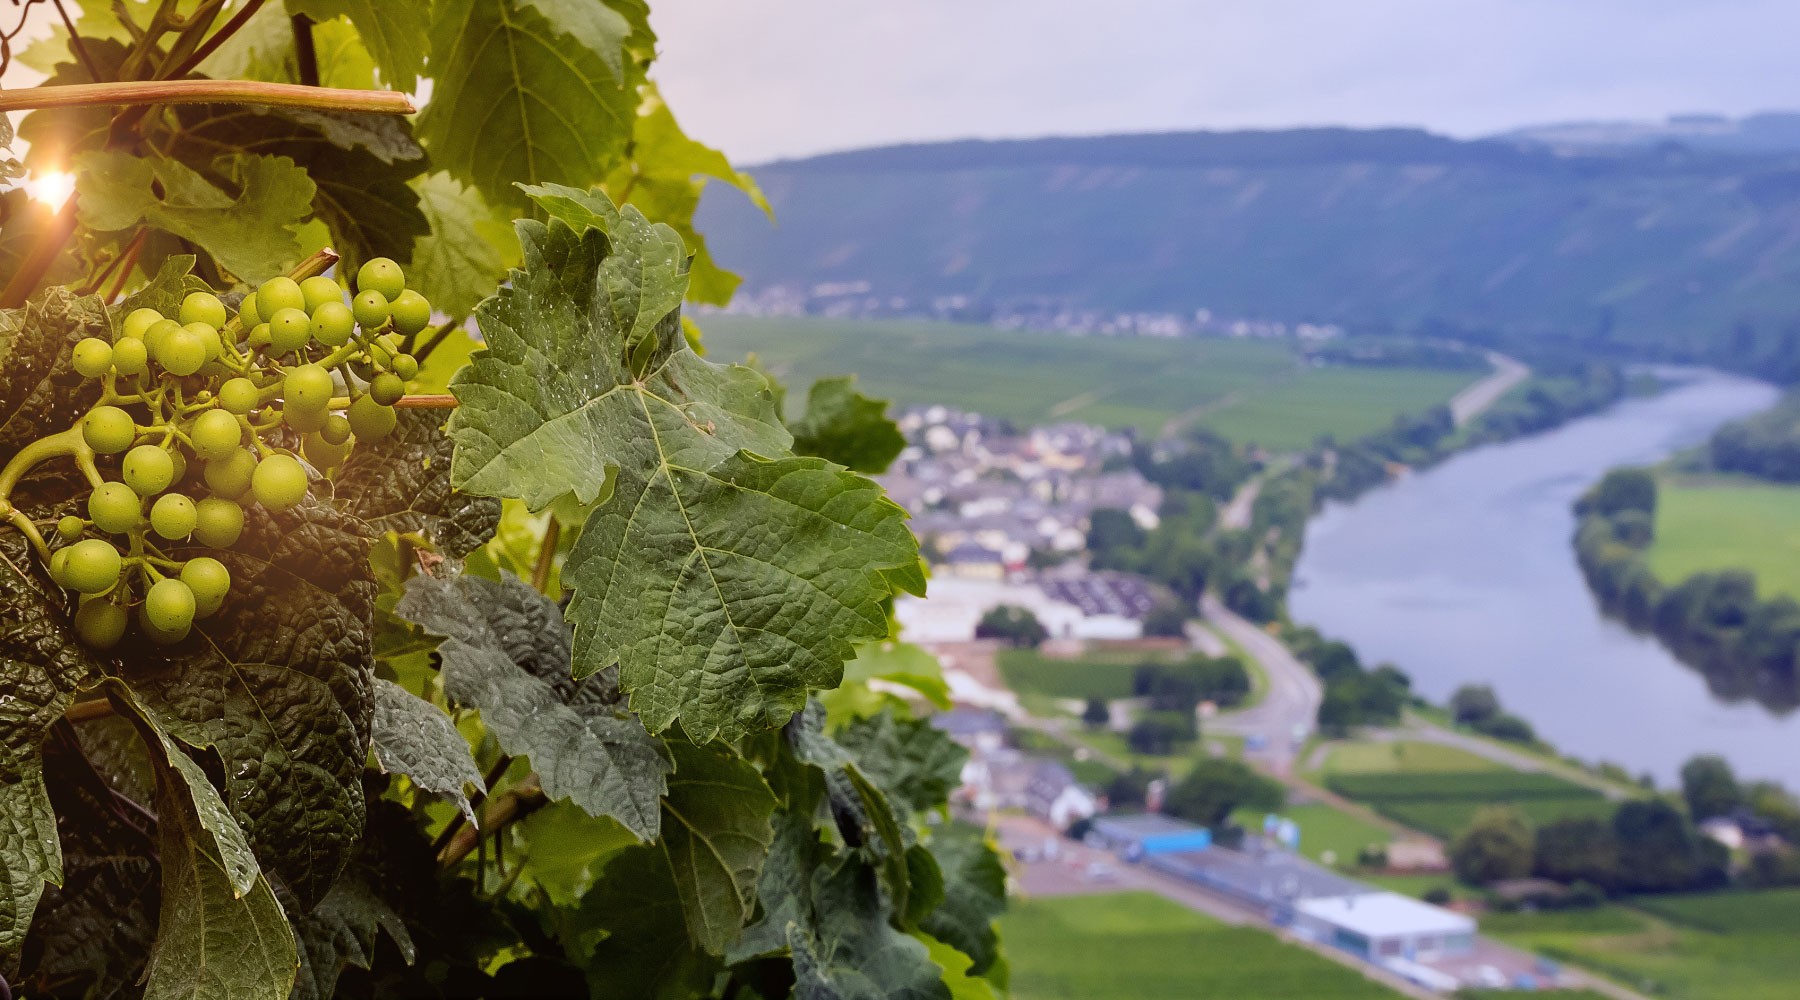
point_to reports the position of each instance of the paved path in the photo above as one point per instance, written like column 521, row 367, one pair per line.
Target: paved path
column 1426, row 731
column 1468, row 404
column 1292, row 704
column 1236, row 514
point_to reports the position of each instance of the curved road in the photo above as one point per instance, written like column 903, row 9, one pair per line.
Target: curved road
column 1287, row 713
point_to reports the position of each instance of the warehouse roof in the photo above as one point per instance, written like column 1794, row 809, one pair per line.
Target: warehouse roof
column 1385, row 914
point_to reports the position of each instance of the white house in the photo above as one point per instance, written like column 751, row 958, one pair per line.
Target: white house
column 1384, row 925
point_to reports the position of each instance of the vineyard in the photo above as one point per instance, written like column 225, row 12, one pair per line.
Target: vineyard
column 398, row 600
column 1444, row 802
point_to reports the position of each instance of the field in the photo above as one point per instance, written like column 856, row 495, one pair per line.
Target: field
column 1094, row 675
column 1403, row 757
column 1443, row 802
column 1137, row 946
column 1323, row 829
column 1725, row 524
column 1251, row 390
column 1721, row 946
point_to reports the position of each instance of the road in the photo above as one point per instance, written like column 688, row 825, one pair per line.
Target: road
column 1468, row 404
column 1425, row 731
column 1292, row 704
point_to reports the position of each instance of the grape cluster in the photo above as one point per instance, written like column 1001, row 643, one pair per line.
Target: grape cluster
column 201, row 414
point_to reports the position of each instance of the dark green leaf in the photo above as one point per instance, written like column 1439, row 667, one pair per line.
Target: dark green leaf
column 974, row 894
column 846, row 427
column 340, row 932
column 402, row 483
column 914, row 763
column 716, row 834
column 390, row 28
column 865, row 818
column 644, row 954
column 415, row 738
column 39, row 393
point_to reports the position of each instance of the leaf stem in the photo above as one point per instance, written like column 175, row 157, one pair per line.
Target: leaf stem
column 431, row 402
column 283, row 95
column 93, row 708
column 527, row 796
column 546, row 561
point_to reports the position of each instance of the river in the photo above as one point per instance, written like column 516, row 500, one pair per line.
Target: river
column 1464, row 573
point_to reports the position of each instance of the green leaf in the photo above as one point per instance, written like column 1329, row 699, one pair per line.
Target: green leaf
column 40, row 394
column 415, row 738
column 974, row 894
column 518, row 98
column 390, row 28
column 962, row 983
column 844, row 426
column 865, row 818
column 468, row 249
column 250, row 234
column 567, row 847
column 402, row 483
column 725, row 584
column 506, row 653
column 341, row 932
column 644, row 953
column 716, row 834
column 914, row 763
column 23, row 221
column 898, row 663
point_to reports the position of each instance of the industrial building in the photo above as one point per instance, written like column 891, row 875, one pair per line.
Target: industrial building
column 1380, row 926
column 1147, row 835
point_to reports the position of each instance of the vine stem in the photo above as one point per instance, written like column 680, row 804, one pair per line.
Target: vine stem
column 431, row 402
column 281, row 95
column 501, row 810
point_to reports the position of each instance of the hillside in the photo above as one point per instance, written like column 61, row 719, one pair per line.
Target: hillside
column 1613, row 240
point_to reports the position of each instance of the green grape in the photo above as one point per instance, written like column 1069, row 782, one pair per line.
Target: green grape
column 239, row 395
column 248, row 317
column 406, row 366
column 59, row 566
column 259, row 336
column 323, row 453
column 208, row 336
column 216, row 434
column 289, row 330
column 277, row 294
column 91, row 357
column 336, row 429
column 100, row 623
column 209, row 580
column 303, row 420
column 230, row 476
column 130, row 357
column 279, row 482
column 168, row 611
column 139, row 322
column 370, row 309
column 411, row 312
column 381, row 275
column 387, row 389
column 306, row 387
column 318, row 290
column 108, row 429
column 333, row 323
column 160, row 329
column 370, row 420
column 203, row 307
column 69, row 527
column 115, row 508
column 218, row 522
column 147, row 469
column 172, row 516
column 93, row 566
column 178, row 462
column 181, row 351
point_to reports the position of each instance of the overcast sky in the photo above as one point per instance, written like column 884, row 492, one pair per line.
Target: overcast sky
column 769, row 78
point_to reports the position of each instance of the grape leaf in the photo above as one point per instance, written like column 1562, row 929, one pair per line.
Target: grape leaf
column 250, row 234
column 913, row 762
column 974, row 894
column 844, row 426
column 505, row 652
column 340, row 932
column 566, row 847
column 518, row 98
column 716, row 834
column 643, row 953
column 23, row 220
column 865, row 818
column 725, row 584
column 40, row 394
column 901, row 664
column 402, row 483
column 468, row 249
column 959, row 977
column 415, row 738
column 390, row 28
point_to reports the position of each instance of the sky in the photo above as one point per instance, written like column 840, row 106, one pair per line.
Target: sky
column 764, row 79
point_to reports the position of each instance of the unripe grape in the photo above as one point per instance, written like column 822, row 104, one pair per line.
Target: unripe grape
column 139, row 322
column 387, row 389
column 180, row 351
column 306, row 387
column 178, row 461
column 130, row 357
column 230, row 476
column 259, row 336
column 318, row 290
column 405, row 365
column 289, row 330
column 91, row 357
column 216, row 434
column 277, row 294
column 322, row 453
column 333, row 323
column 100, row 623
column 336, row 429
column 153, row 337
column 92, row 567
column 382, row 275
column 303, row 420
column 209, row 581
column 147, row 469
column 248, row 317
column 115, row 508
column 370, row 309
column 168, row 610
column 208, row 336
column 239, row 395
column 218, row 522
column 69, row 527
column 203, row 307
column 108, row 429
column 370, row 420
column 279, row 482
column 172, row 516
column 411, row 312
column 59, row 566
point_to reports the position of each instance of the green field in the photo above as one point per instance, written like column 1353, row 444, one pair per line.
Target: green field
column 1722, row 524
column 1403, row 757
column 1720, row 946
column 1443, row 802
column 1251, row 390
column 1323, row 829
column 1138, row 946
column 1094, row 675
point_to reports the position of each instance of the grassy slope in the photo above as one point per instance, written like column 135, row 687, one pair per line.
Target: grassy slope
column 1713, row 525
column 1403, row 756
column 1250, row 390
column 1137, row 946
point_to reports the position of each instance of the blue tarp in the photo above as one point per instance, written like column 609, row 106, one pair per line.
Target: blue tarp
column 1170, row 843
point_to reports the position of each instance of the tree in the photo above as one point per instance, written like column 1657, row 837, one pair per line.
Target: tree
column 1161, row 733
column 1128, row 789
column 1218, row 786
column 368, row 511
column 1095, row 714
column 1167, row 619
column 1508, row 727
column 1474, row 703
column 1496, row 845
column 1578, row 849
column 1015, row 626
column 1659, row 851
column 1112, row 533
column 1621, row 490
column 1710, row 787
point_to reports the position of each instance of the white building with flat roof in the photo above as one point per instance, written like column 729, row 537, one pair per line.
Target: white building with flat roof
column 1379, row 926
